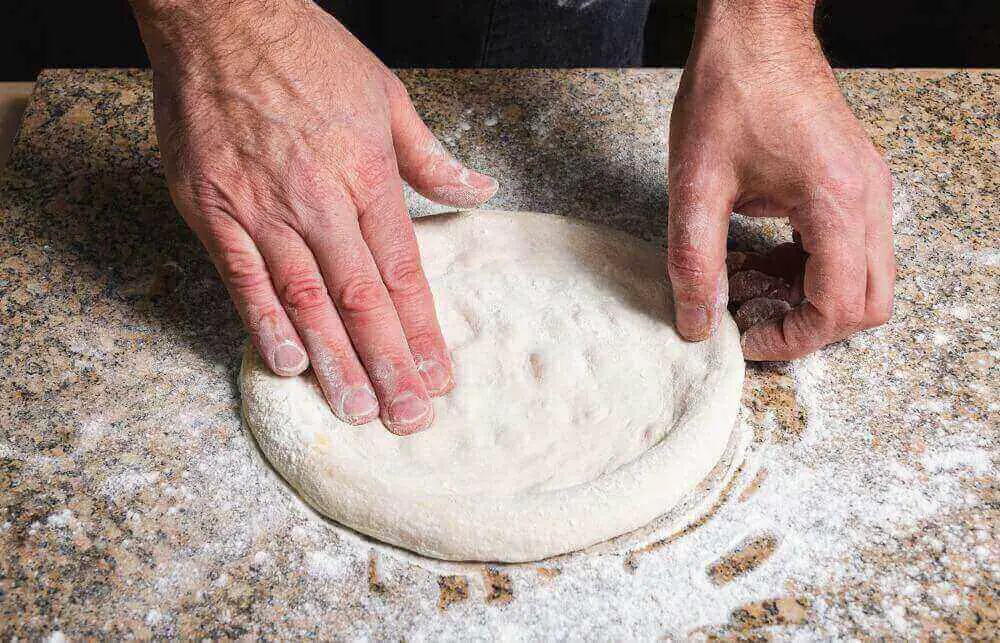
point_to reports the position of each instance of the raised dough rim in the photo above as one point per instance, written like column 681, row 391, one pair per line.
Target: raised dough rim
column 697, row 505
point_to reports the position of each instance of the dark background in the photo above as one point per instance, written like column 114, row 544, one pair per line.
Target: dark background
column 855, row 33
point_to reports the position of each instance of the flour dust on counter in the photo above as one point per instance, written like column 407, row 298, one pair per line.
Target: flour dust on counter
column 578, row 414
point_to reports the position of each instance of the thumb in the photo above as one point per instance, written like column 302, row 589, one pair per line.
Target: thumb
column 697, row 225
column 426, row 165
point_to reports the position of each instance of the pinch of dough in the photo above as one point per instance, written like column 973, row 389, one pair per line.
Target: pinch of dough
column 578, row 413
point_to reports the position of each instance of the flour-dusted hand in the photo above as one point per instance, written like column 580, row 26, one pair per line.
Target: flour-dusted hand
column 760, row 127
column 285, row 143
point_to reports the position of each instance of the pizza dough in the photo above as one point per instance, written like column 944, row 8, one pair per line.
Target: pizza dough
column 578, row 413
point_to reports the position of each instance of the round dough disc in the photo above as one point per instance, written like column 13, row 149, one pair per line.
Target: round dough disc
column 578, row 413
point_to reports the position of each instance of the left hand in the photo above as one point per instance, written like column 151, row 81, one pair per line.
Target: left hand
column 759, row 126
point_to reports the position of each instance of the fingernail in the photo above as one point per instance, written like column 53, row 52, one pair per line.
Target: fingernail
column 478, row 181
column 288, row 359
column 408, row 409
column 360, row 404
column 692, row 322
column 436, row 378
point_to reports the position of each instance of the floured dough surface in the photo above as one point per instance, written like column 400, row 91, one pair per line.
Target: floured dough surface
column 578, row 413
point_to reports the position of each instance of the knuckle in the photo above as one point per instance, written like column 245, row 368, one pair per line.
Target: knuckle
column 800, row 332
column 844, row 178
column 374, row 169
column 378, row 204
column 426, row 341
column 304, row 293
column 880, row 315
column 262, row 323
column 396, row 88
column 686, row 265
column 405, row 278
column 218, row 191
column 313, row 188
column 849, row 316
column 360, row 296
column 242, row 269
column 205, row 195
column 274, row 224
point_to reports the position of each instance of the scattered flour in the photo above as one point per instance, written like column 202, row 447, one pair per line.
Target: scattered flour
column 987, row 258
column 262, row 559
column 8, row 451
column 124, row 486
column 327, row 565
column 976, row 460
column 940, row 338
column 902, row 202
column 60, row 518
column 809, row 502
column 961, row 311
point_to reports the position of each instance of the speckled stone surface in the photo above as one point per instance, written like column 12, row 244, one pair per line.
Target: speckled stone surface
column 133, row 502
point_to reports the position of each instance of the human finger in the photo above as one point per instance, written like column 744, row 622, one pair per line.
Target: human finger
column 697, row 226
column 426, row 165
column 246, row 277
column 368, row 314
column 303, row 293
column 833, row 234
column 388, row 232
column 881, row 261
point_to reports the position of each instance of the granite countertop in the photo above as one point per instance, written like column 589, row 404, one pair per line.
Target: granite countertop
column 133, row 501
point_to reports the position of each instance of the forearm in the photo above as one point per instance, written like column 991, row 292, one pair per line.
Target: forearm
column 754, row 35
column 766, row 26
column 161, row 11
column 780, row 14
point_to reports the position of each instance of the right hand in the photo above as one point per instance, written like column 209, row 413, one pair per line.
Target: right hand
column 760, row 127
column 285, row 143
